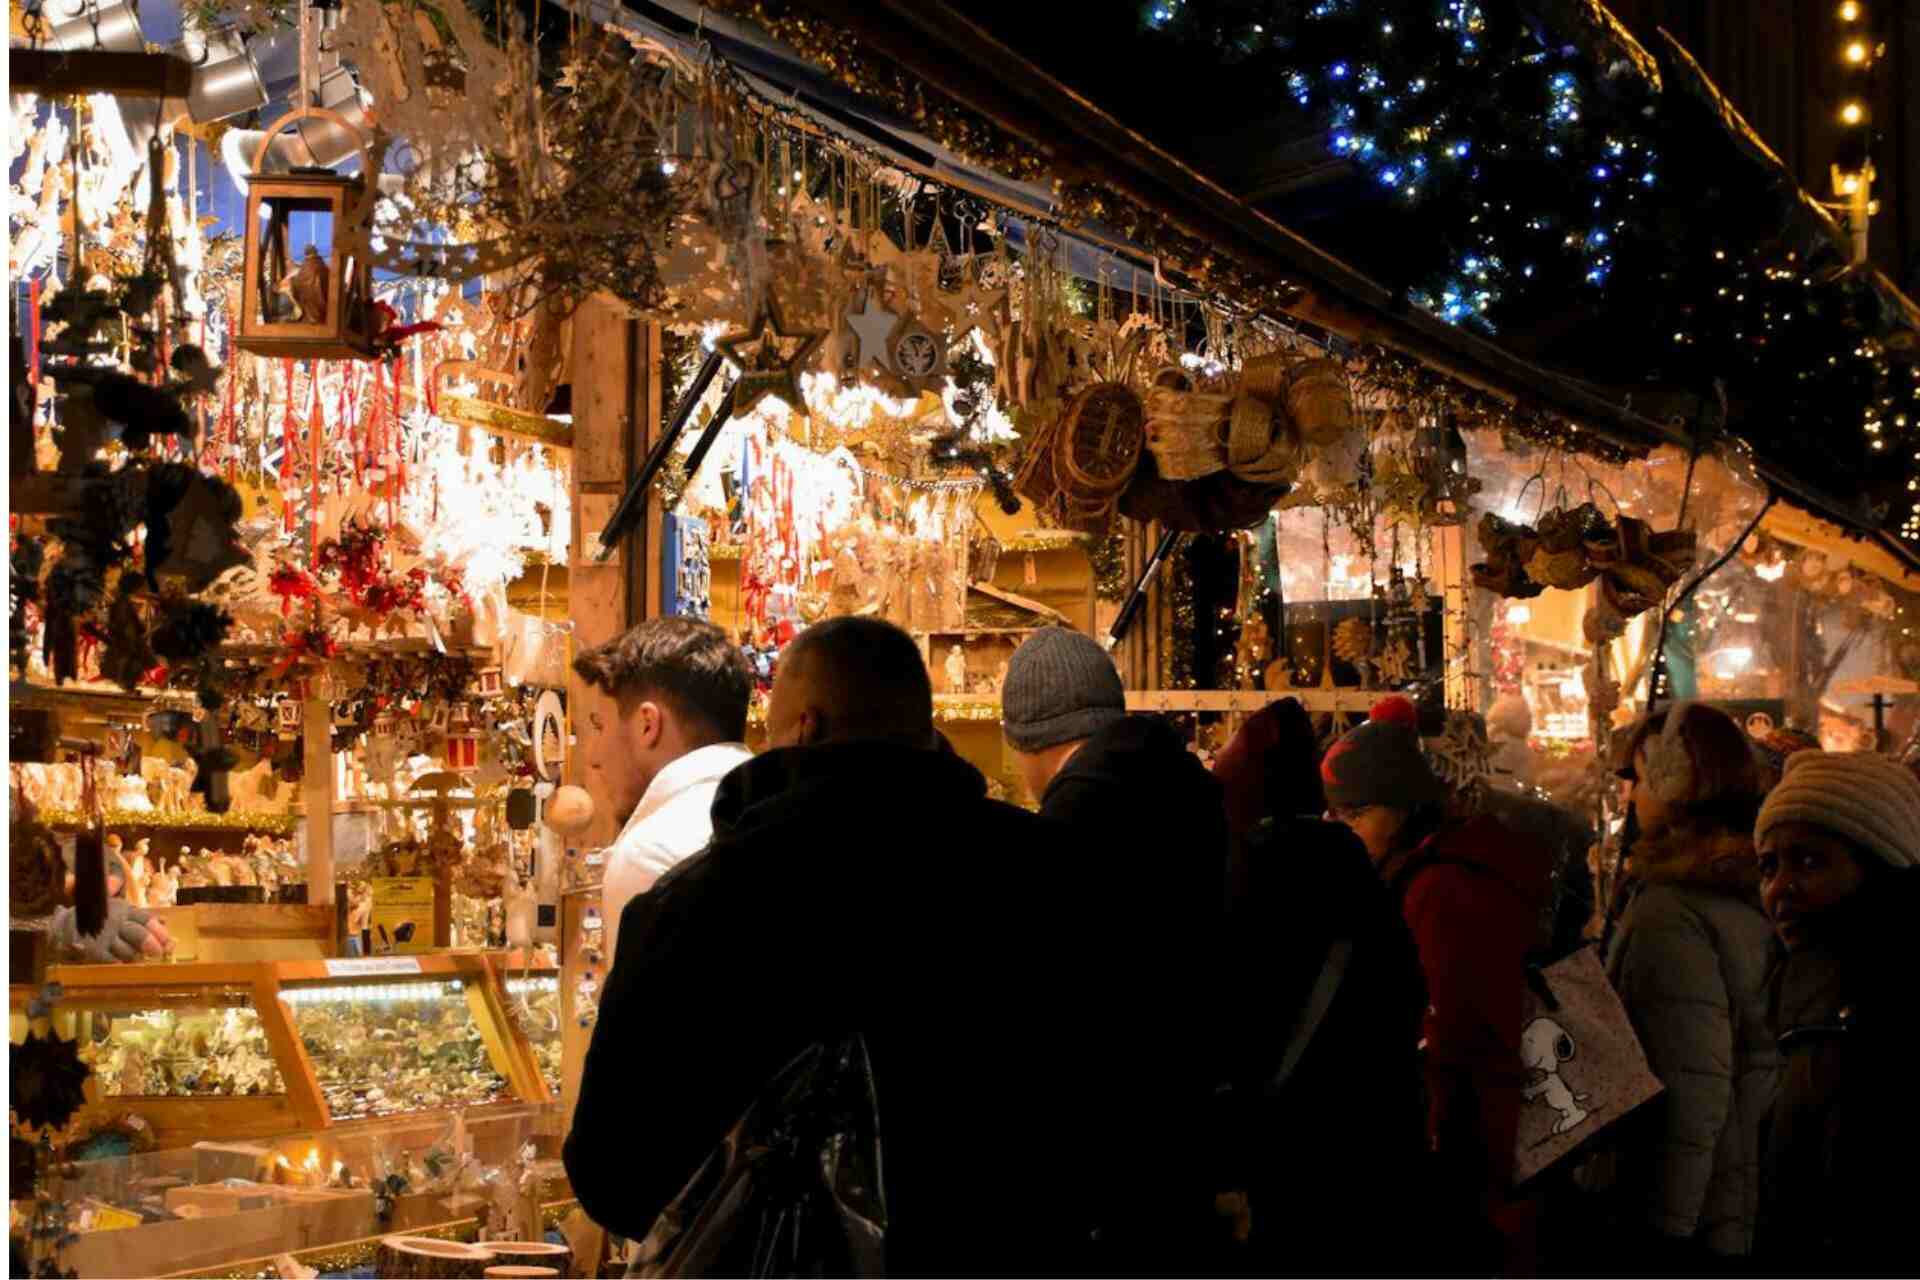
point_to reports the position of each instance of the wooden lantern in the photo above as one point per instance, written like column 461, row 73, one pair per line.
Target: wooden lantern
column 295, row 300
column 463, row 750
column 290, row 715
column 487, row 682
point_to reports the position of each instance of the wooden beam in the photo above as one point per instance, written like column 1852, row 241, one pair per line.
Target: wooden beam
column 598, row 595
column 125, row 75
column 296, row 1069
column 316, row 791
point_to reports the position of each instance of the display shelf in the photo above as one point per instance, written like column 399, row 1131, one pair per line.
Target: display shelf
column 326, row 1025
column 229, row 1207
column 273, row 824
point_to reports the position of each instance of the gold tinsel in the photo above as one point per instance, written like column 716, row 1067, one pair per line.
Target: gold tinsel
column 274, row 824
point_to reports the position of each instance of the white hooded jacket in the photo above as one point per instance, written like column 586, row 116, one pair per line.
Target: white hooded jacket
column 672, row 822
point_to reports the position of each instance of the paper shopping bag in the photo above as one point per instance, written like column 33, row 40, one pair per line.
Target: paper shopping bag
column 1585, row 1069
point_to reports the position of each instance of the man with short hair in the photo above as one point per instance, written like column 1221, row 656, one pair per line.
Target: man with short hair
column 681, row 688
column 861, row 877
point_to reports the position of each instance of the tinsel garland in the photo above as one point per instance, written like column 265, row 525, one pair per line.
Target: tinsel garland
column 834, row 50
column 1176, row 654
column 277, row 824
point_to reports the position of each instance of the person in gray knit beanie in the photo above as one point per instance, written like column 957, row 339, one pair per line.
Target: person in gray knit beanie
column 1061, row 687
column 1835, row 821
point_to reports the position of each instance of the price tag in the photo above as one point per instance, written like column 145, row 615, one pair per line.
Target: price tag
column 372, row 966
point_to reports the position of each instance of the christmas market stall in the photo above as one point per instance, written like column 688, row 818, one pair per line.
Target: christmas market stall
column 371, row 361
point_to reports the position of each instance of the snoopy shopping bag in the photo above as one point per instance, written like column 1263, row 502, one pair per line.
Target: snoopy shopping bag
column 1584, row 1066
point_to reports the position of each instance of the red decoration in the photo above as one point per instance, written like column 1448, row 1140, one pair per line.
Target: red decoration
column 1396, row 710
column 290, row 584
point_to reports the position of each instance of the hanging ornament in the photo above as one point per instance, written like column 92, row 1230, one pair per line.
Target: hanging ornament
column 872, row 326
column 763, row 371
column 916, row 355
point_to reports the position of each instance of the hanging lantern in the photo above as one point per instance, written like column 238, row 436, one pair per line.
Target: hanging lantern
column 460, row 718
column 383, row 726
column 1439, row 457
column 289, row 715
column 487, row 682
column 463, row 750
column 295, row 300
column 226, row 79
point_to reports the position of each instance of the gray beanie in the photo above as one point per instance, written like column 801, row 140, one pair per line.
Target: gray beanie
column 1868, row 799
column 1061, row 687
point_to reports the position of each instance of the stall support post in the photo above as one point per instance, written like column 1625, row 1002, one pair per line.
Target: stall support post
column 316, row 792
column 1450, row 580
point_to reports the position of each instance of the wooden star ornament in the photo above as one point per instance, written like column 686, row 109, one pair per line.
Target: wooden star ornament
column 763, row 371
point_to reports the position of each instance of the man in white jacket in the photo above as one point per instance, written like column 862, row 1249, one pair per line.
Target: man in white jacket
column 681, row 686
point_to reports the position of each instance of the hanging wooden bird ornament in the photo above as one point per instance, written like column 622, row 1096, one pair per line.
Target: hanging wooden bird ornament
column 763, row 371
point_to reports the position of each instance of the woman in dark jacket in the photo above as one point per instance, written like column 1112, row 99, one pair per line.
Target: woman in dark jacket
column 1838, row 842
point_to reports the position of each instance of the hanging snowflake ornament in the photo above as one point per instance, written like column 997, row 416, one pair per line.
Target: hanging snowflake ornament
column 1461, row 754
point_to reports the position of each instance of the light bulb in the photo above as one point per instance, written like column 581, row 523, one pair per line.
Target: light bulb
column 1850, row 11
column 1857, row 51
column 1852, row 113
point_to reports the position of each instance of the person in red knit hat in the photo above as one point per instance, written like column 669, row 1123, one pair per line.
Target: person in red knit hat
column 1471, row 891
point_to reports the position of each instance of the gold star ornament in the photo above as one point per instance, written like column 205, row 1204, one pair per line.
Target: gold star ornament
column 756, row 356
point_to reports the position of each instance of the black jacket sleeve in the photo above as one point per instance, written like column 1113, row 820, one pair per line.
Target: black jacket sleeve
column 676, row 1056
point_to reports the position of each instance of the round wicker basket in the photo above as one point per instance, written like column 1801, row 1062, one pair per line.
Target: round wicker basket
column 1100, row 439
column 1267, row 376
column 1261, row 445
column 1319, row 401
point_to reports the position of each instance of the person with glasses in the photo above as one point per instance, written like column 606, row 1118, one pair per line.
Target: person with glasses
column 1837, row 846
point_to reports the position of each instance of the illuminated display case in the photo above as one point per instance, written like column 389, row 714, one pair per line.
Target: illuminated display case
column 231, row 1051
column 229, row 1208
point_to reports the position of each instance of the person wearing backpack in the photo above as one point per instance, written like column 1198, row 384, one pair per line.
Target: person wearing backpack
column 1471, row 892
column 1688, row 955
column 1323, row 1051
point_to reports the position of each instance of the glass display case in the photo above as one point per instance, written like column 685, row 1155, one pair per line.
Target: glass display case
column 325, row 1196
column 219, row 1052
column 534, row 1003
column 399, row 1046
column 209, row 1051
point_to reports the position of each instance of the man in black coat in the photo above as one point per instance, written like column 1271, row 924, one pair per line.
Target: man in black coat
column 1124, row 794
column 858, row 877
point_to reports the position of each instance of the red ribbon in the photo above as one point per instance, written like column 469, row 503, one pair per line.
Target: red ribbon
column 33, row 340
column 316, row 429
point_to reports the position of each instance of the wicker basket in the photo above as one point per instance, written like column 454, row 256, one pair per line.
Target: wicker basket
column 1035, row 481
column 1186, row 432
column 1319, row 401
column 1099, row 442
column 1267, row 376
column 1261, row 445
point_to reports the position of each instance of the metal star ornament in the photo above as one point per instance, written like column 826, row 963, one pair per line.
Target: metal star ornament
column 763, row 371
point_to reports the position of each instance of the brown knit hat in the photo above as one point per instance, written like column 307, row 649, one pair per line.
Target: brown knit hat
column 1866, row 798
